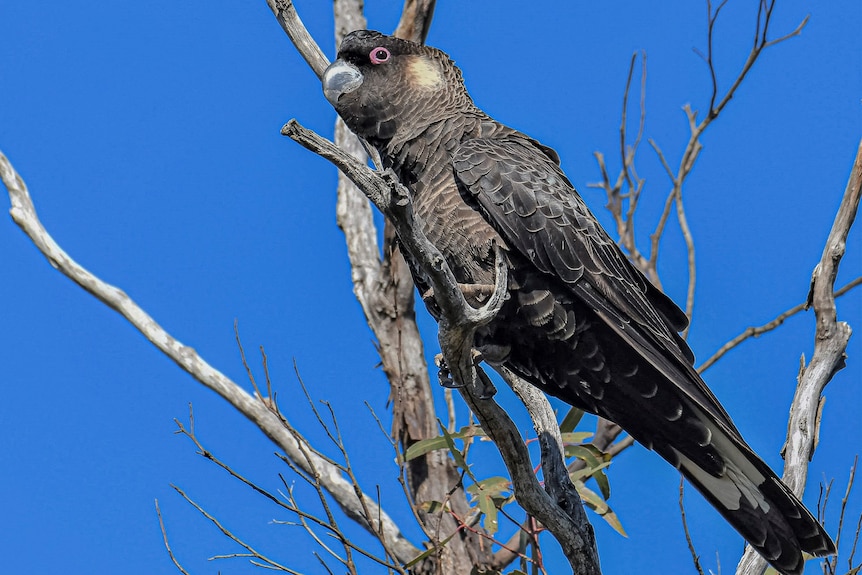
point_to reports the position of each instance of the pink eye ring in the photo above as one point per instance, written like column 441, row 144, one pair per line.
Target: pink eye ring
column 379, row 55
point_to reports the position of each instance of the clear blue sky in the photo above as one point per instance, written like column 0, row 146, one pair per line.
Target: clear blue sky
column 148, row 133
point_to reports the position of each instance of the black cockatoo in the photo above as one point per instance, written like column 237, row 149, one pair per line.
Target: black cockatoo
column 580, row 323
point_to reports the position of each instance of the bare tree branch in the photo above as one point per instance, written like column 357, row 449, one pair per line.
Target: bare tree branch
column 384, row 288
column 558, row 484
column 830, row 344
column 834, row 561
column 623, row 214
column 697, row 128
column 24, row 214
column 578, row 543
column 830, row 339
column 757, row 331
column 415, row 20
column 694, row 556
column 267, row 562
column 167, row 544
column 286, row 15
column 457, row 325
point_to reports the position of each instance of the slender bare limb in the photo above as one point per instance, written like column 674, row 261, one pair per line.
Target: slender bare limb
column 557, row 481
column 830, row 339
column 623, row 204
column 460, row 320
column 694, row 556
column 290, row 22
column 697, row 128
column 578, row 544
column 167, row 544
column 415, row 20
column 384, row 288
column 757, row 331
column 844, row 500
column 24, row 214
column 291, row 505
column 251, row 551
column 830, row 344
column 457, row 325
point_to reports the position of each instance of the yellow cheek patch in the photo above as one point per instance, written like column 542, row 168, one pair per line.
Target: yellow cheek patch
column 423, row 73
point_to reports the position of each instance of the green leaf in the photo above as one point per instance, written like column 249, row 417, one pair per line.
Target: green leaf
column 585, row 473
column 576, row 438
column 424, row 446
column 432, row 506
column 489, row 499
column 424, row 555
column 430, row 551
column 489, row 508
column 456, row 454
column 596, row 461
column 431, row 444
column 590, row 454
column 571, row 420
column 593, row 501
column 492, row 486
column 603, row 483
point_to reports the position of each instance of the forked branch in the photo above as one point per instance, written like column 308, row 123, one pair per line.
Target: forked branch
column 457, row 325
column 830, row 343
column 24, row 214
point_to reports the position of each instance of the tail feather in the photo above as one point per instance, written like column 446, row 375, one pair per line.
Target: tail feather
column 702, row 442
column 756, row 503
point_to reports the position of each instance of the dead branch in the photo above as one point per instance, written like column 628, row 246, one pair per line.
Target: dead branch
column 291, row 506
column 24, row 214
column 457, row 325
column 694, row 556
column 622, row 204
column 167, row 544
column 578, row 543
column 251, row 552
column 841, row 514
column 384, row 288
column 757, row 331
column 558, row 484
column 459, row 320
column 830, row 344
column 678, row 176
column 415, row 20
column 286, row 15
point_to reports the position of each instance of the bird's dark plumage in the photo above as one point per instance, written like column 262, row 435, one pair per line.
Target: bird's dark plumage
column 581, row 322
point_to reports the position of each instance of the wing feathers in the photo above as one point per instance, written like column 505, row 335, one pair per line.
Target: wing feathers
column 658, row 397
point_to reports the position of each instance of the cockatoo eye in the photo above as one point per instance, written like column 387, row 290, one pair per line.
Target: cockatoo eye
column 379, row 55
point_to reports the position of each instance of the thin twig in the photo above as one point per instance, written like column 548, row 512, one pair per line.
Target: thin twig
column 697, row 129
column 290, row 506
column 450, row 409
column 841, row 514
column 290, row 22
column 230, row 535
column 757, row 331
column 24, row 214
column 830, row 344
column 850, row 566
column 694, row 556
column 165, row 538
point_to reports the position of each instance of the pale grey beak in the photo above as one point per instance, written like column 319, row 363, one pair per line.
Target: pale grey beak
column 340, row 78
